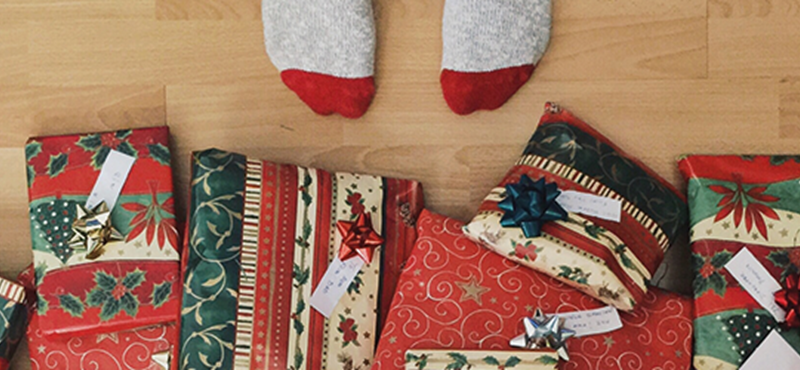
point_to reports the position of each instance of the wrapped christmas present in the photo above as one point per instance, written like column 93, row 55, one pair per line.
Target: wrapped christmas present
column 454, row 295
column 148, row 348
column 745, row 225
column 103, row 231
column 289, row 267
column 14, row 319
column 578, row 208
column 427, row 359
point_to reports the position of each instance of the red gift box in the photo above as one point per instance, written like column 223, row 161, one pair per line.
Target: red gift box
column 130, row 283
column 454, row 294
column 143, row 349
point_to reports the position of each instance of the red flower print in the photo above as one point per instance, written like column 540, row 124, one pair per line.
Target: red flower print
column 356, row 203
column 110, row 140
column 745, row 203
column 707, row 270
column 119, row 291
column 153, row 219
column 348, row 328
column 527, row 251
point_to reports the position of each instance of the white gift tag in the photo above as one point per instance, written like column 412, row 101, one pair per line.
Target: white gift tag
column 334, row 284
column 591, row 205
column 774, row 353
column 112, row 178
column 592, row 322
column 756, row 280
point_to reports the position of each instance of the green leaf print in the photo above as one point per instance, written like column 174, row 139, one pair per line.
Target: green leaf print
column 130, row 304
column 96, row 297
column 126, row 148
column 90, row 143
column 32, row 149
column 105, row 281
column 491, row 360
column 110, row 309
column 57, row 164
column 161, row 293
column 133, row 279
column 512, row 361
column 71, row 305
column 159, row 153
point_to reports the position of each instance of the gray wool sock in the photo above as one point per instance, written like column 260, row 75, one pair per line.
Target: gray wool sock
column 332, row 37
column 488, row 35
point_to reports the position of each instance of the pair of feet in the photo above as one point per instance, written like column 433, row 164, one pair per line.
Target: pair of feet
column 325, row 51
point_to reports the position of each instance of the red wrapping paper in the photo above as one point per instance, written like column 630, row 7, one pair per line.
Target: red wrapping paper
column 134, row 282
column 140, row 349
column 454, row 294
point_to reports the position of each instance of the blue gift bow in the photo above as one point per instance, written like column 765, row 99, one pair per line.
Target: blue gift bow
column 529, row 205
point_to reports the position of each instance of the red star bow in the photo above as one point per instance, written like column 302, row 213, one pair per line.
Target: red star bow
column 358, row 238
column 789, row 299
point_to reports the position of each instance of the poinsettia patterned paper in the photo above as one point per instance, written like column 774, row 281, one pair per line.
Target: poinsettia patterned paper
column 142, row 349
column 134, row 283
column 455, row 295
column 739, row 202
column 261, row 235
column 611, row 261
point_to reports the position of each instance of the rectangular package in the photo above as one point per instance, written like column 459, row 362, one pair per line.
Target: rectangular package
column 455, row 295
column 618, row 219
column 738, row 203
column 148, row 348
column 128, row 283
column 261, row 236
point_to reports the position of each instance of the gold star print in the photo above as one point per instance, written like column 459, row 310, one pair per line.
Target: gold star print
column 755, row 236
column 366, row 362
column 784, row 233
column 472, row 290
column 41, row 349
column 608, row 341
column 708, row 232
column 393, row 340
column 112, row 337
column 770, row 226
column 138, row 244
column 366, row 334
column 789, row 216
column 417, row 272
column 726, row 225
column 347, row 311
column 529, row 308
column 678, row 353
column 736, row 235
column 493, row 300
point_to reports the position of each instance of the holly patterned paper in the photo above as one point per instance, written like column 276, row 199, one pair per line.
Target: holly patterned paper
column 455, row 296
column 261, row 235
column 134, row 282
column 608, row 260
column 148, row 348
column 739, row 202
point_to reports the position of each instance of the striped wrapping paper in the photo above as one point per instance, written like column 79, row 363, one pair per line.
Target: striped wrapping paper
column 14, row 318
column 611, row 261
column 261, row 235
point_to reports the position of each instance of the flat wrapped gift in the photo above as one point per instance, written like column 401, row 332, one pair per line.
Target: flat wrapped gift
column 14, row 319
column 141, row 349
column 739, row 202
column 261, row 236
column 455, row 295
column 127, row 283
column 610, row 258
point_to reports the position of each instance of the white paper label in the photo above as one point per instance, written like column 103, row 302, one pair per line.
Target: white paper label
column 756, row 280
column 773, row 354
column 112, row 178
column 591, row 205
column 334, row 284
column 592, row 322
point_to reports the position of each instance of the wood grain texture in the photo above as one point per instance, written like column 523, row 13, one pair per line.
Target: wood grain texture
column 659, row 77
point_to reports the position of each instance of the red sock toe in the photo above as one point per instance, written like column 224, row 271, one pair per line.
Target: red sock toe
column 466, row 92
column 327, row 94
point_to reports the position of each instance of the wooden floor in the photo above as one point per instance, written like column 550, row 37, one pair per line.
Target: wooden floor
column 659, row 77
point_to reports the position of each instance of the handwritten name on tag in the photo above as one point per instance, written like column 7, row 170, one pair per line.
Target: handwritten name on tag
column 112, row 178
column 591, row 205
column 591, row 322
column 774, row 353
column 756, row 280
column 334, row 284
